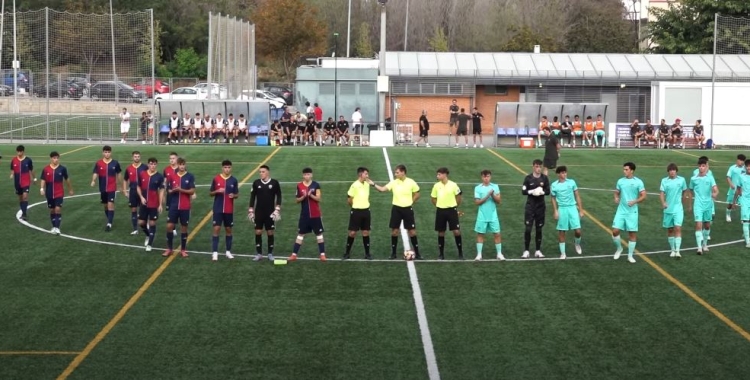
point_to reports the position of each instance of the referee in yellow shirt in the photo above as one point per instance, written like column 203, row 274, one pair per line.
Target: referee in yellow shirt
column 405, row 193
column 446, row 196
column 359, row 216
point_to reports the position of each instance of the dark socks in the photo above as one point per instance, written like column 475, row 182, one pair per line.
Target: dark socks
column 228, row 242
column 441, row 245
column 134, row 220
column 415, row 245
column 215, row 243
column 459, row 245
column 349, row 243
column 259, row 244
column 170, row 239
column 366, row 243
column 183, row 240
column 271, row 241
column 394, row 245
column 538, row 238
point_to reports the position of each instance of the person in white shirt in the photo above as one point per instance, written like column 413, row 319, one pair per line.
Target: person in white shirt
column 124, row 124
column 175, row 129
column 357, row 123
column 218, row 128
column 242, row 127
column 232, row 129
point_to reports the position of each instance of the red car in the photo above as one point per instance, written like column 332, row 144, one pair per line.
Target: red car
column 145, row 86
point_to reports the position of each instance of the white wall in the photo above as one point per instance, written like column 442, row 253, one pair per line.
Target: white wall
column 731, row 126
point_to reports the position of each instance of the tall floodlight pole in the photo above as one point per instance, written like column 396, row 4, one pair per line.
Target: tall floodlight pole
column 713, row 74
column 16, row 64
column 381, row 65
column 2, row 29
column 335, row 75
column 406, row 26
column 348, row 29
column 114, row 68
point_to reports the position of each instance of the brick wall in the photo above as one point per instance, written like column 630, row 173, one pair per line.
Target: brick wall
column 437, row 107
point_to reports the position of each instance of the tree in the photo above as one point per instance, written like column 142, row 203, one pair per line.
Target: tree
column 289, row 30
column 688, row 27
column 363, row 44
column 599, row 27
column 439, row 41
column 525, row 38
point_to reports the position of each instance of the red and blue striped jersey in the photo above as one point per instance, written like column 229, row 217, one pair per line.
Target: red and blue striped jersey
column 310, row 207
column 21, row 168
column 132, row 173
column 53, row 181
column 222, row 202
column 168, row 173
column 181, row 201
column 107, row 172
column 150, row 185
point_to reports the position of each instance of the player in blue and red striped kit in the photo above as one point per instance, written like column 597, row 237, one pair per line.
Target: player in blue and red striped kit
column 151, row 191
column 310, row 217
column 130, row 185
column 108, row 171
column 182, row 187
column 53, row 177
column 22, row 174
column 225, row 189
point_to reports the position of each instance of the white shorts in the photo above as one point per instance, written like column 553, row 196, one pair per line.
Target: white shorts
column 124, row 128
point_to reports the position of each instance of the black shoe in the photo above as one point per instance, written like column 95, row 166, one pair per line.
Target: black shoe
column 418, row 257
column 368, row 257
column 24, row 217
column 346, row 257
column 108, row 227
column 441, row 257
column 393, row 256
column 461, row 256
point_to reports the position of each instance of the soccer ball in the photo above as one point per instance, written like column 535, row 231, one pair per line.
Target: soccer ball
column 365, row 143
column 408, row 255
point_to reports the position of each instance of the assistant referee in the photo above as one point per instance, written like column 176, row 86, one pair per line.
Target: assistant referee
column 358, row 198
column 405, row 193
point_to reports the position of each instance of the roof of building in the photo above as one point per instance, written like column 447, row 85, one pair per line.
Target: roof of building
column 546, row 66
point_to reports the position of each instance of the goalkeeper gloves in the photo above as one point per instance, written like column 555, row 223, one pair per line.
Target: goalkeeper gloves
column 538, row 192
column 251, row 215
column 276, row 216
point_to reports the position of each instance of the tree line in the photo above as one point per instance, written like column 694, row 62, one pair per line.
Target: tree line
column 289, row 31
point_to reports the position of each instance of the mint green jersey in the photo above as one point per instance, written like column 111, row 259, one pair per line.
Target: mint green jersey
column 564, row 192
column 488, row 210
column 702, row 187
column 744, row 183
column 734, row 172
column 629, row 189
column 672, row 189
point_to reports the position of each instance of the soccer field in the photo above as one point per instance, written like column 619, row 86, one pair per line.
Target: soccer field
column 94, row 305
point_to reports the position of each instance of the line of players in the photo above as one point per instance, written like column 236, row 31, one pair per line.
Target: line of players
column 206, row 129
column 305, row 130
column 148, row 190
column 668, row 134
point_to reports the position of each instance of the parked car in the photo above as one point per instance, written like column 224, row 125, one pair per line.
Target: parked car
column 281, row 91
column 6, row 90
column 22, row 81
column 159, row 87
column 82, row 82
column 274, row 100
column 217, row 90
column 106, row 90
column 184, row 93
column 61, row 89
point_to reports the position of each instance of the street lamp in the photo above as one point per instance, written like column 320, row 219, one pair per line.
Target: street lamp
column 335, row 75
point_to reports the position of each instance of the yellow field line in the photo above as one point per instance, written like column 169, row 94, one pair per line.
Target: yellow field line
column 146, row 285
column 26, row 353
column 718, row 314
column 77, row 150
column 697, row 156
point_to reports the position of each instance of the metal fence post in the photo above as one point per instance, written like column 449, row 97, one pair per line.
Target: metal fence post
column 209, row 76
column 46, row 54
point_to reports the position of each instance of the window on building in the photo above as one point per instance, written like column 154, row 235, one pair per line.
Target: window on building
column 496, row 90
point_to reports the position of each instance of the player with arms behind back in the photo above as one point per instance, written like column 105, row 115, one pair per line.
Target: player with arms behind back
column 264, row 210
column 182, row 188
column 107, row 170
column 743, row 196
column 672, row 191
column 130, row 187
column 151, row 191
column 22, row 174
column 310, row 218
column 53, row 177
column 487, row 197
column 225, row 189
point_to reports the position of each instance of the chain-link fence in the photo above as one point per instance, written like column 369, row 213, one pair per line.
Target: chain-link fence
column 65, row 74
column 231, row 58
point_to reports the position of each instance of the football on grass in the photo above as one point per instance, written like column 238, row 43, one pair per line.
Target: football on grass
column 408, row 255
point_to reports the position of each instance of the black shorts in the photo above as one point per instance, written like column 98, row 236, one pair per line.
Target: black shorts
column 423, row 132
column 183, row 216
column 108, row 196
column 476, row 130
column 223, row 218
column 54, row 202
column 550, row 164
column 264, row 223
column 402, row 214
column 446, row 216
column 534, row 215
column 359, row 219
column 22, row 189
column 329, row 131
column 342, row 131
column 307, row 225
column 461, row 131
column 676, row 134
column 310, row 130
column 147, row 213
column 133, row 199
column 453, row 119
